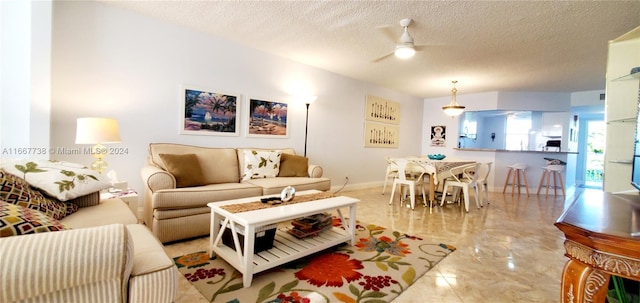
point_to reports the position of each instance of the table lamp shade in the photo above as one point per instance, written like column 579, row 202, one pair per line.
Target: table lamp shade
column 97, row 130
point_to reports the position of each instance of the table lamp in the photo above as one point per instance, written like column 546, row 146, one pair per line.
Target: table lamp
column 92, row 130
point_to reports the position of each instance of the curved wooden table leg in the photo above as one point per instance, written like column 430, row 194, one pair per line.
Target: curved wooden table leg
column 582, row 283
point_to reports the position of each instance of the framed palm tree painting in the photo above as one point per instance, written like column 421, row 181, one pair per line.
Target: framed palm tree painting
column 209, row 112
column 267, row 119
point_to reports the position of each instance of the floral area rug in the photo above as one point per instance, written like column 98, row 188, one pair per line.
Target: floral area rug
column 380, row 266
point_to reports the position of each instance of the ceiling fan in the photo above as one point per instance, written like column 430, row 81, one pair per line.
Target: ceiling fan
column 405, row 48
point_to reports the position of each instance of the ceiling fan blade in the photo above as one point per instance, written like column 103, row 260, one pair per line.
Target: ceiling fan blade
column 420, row 48
column 390, row 32
column 383, row 57
column 430, row 47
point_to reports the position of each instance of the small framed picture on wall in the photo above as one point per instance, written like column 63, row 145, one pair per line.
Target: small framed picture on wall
column 209, row 112
column 438, row 135
column 267, row 119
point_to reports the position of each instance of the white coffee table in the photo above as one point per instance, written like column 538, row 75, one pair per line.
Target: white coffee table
column 286, row 247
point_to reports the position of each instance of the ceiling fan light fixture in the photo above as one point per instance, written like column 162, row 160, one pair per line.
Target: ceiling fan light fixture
column 404, row 51
column 453, row 108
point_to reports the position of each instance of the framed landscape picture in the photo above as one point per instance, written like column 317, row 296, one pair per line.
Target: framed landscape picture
column 209, row 112
column 267, row 119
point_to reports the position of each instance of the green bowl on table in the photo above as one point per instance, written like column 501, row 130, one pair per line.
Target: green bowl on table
column 436, row 156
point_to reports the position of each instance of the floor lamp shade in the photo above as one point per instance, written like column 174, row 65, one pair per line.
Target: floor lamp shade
column 97, row 131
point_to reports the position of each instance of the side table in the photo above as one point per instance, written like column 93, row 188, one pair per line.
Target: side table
column 129, row 196
column 598, row 243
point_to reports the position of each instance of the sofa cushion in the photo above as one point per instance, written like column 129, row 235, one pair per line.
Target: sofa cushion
column 151, row 267
column 261, row 164
column 16, row 190
column 91, row 199
column 79, row 265
column 276, row 185
column 185, row 168
column 61, row 180
column 18, row 220
column 109, row 211
column 218, row 165
column 198, row 196
column 148, row 253
column 293, row 166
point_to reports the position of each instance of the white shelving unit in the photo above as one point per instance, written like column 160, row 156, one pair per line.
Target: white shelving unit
column 286, row 248
column 621, row 107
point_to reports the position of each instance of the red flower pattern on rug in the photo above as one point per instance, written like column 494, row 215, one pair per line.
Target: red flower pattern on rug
column 329, row 269
column 380, row 266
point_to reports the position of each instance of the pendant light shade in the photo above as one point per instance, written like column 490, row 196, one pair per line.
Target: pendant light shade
column 453, row 108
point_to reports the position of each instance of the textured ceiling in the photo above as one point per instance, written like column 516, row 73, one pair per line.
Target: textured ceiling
column 555, row 46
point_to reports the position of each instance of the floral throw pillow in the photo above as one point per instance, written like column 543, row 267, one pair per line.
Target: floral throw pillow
column 261, row 164
column 61, row 180
column 17, row 220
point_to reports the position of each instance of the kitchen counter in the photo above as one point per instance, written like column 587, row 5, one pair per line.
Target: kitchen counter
column 534, row 159
column 515, row 151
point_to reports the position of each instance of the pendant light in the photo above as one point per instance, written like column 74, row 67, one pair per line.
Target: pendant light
column 453, row 108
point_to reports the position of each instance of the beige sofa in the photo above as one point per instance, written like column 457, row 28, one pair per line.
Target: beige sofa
column 176, row 213
column 105, row 257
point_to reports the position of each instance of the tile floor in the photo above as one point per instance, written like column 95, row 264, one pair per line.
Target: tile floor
column 507, row 251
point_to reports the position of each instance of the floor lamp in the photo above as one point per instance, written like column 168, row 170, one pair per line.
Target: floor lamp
column 308, row 102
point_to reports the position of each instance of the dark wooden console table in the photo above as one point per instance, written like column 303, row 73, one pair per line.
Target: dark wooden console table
column 597, row 228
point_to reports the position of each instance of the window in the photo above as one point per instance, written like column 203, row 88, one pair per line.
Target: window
column 518, row 128
column 469, row 128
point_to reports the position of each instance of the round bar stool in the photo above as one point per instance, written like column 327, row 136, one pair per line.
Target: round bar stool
column 514, row 175
column 556, row 171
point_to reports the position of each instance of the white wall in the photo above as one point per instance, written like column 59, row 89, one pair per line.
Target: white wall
column 587, row 98
column 25, row 78
column 534, row 101
column 112, row 62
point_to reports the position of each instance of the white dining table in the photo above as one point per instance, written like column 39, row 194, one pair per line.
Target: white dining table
column 438, row 170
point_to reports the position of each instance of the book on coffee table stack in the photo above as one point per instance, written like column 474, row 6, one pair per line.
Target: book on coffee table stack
column 311, row 226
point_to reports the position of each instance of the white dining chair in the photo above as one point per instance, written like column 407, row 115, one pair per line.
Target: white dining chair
column 483, row 176
column 465, row 177
column 410, row 174
column 392, row 171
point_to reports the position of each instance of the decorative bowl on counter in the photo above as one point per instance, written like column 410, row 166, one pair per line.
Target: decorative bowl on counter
column 436, row 156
